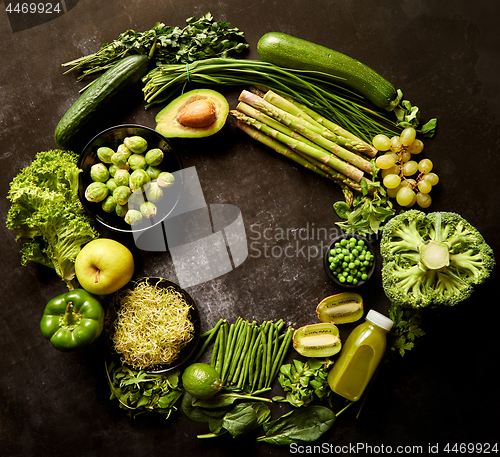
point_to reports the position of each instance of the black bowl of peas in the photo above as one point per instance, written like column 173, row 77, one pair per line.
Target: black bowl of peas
column 349, row 260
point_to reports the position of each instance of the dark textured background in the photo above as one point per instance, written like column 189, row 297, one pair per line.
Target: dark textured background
column 445, row 57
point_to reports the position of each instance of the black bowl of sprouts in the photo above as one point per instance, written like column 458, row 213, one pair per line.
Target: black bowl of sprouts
column 152, row 325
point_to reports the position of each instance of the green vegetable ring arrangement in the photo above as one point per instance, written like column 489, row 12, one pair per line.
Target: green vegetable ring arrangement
column 72, row 320
column 319, row 108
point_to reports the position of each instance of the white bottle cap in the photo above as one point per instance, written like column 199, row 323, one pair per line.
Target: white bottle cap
column 379, row 319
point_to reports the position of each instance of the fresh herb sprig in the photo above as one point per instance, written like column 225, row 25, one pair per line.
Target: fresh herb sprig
column 305, row 382
column 200, row 39
column 367, row 214
column 408, row 115
column 406, row 329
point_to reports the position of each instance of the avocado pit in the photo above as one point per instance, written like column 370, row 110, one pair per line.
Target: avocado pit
column 198, row 114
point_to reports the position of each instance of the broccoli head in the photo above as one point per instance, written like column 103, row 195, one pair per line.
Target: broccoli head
column 433, row 259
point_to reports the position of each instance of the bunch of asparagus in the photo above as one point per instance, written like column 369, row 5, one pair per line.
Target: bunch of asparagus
column 297, row 132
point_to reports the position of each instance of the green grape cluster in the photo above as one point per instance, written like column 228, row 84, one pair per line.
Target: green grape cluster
column 406, row 179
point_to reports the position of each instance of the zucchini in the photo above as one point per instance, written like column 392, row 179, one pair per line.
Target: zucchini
column 291, row 52
column 123, row 74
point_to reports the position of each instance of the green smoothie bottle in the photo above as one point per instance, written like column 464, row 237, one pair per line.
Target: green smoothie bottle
column 360, row 356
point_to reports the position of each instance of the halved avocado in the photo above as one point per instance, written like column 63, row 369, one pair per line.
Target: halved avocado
column 195, row 114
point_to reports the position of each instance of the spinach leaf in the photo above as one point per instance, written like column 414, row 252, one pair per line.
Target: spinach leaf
column 194, row 413
column 342, row 209
column 303, row 425
column 239, row 420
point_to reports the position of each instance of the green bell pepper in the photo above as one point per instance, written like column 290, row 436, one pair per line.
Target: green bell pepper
column 72, row 320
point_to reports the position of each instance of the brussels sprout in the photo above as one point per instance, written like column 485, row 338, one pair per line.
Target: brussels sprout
column 154, row 193
column 109, row 204
column 99, row 172
column 104, row 153
column 165, row 179
column 153, row 172
column 122, row 194
column 123, row 149
column 154, row 157
column 121, row 210
column 111, row 183
column 96, row 192
column 148, row 209
column 138, row 179
column 136, row 200
column 119, row 159
column 122, row 177
column 112, row 170
column 136, row 144
column 137, row 162
column 133, row 217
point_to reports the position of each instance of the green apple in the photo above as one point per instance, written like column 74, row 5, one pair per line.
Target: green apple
column 103, row 266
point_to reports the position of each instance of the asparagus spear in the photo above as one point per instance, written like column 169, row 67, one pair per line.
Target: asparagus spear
column 273, row 123
column 334, row 132
column 310, row 131
column 295, row 144
column 256, row 114
column 372, row 152
column 297, row 158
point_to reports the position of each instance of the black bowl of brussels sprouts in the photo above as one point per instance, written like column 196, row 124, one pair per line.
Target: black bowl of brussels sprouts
column 131, row 178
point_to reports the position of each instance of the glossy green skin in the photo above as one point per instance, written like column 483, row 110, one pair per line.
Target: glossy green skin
column 291, row 52
column 123, row 74
column 72, row 320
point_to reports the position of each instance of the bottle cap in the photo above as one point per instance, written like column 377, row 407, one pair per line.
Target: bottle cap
column 379, row 319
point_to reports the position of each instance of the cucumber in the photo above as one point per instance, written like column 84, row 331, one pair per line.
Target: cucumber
column 123, row 74
column 291, row 52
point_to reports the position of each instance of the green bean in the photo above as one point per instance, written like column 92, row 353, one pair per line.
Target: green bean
column 242, row 355
column 215, row 350
column 250, row 361
column 253, row 356
column 229, row 349
column 240, row 341
column 219, row 360
column 264, row 355
column 258, row 365
column 208, row 336
column 281, row 354
column 270, row 335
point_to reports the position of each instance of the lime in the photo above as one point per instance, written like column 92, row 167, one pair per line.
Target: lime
column 201, row 380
